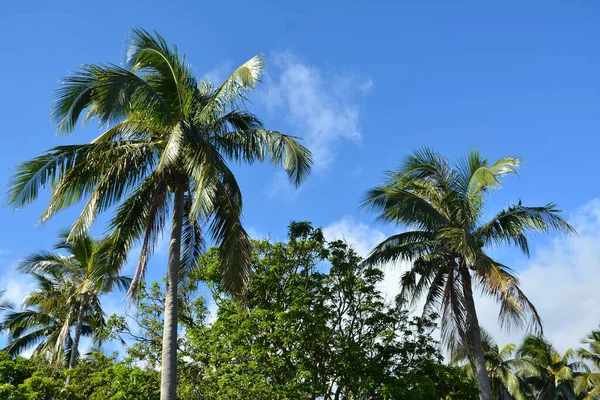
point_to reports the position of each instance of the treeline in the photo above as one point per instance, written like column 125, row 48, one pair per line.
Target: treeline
column 313, row 324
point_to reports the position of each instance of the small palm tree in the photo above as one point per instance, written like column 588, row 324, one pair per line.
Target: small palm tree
column 88, row 267
column 166, row 150
column 441, row 206
column 46, row 319
column 4, row 304
column 550, row 375
column 502, row 367
column 588, row 382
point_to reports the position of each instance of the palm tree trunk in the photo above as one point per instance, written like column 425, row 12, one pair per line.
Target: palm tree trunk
column 78, row 328
column 474, row 336
column 168, row 381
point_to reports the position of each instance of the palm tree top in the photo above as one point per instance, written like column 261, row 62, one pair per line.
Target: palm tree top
column 441, row 205
column 165, row 132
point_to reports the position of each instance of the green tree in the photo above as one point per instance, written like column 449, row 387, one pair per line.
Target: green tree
column 588, row 382
column 441, row 205
column 13, row 372
column 169, row 140
column 313, row 325
column 87, row 266
column 96, row 377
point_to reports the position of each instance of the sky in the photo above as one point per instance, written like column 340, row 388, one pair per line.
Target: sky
column 363, row 84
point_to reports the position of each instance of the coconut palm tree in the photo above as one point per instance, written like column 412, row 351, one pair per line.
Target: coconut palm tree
column 552, row 375
column 87, row 266
column 4, row 304
column 502, row 367
column 166, row 149
column 46, row 319
column 588, row 382
column 441, row 206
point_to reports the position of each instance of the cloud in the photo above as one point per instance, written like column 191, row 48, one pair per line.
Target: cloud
column 16, row 286
column 321, row 104
column 363, row 238
column 562, row 279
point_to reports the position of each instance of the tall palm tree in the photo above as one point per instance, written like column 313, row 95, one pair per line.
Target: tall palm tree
column 588, row 382
column 552, row 375
column 167, row 147
column 46, row 320
column 441, row 205
column 502, row 367
column 88, row 267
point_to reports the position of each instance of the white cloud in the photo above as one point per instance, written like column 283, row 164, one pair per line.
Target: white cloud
column 363, row 238
column 321, row 104
column 562, row 279
column 357, row 234
column 16, row 286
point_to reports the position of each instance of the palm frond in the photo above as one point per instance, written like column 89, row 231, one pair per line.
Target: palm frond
column 511, row 225
column 406, row 246
column 257, row 145
column 403, row 207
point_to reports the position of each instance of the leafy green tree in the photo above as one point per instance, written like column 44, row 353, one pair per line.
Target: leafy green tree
column 588, row 382
column 87, row 266
column 442, row 205
column 167, row 147
column 97, row 377
column 313, row 325
column 551, row 375
column 13, row 372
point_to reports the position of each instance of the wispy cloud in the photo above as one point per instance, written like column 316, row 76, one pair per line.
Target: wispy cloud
column 320, row 104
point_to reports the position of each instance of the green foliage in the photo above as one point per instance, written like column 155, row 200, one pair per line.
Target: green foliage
column 97, row 377
column 313, row 324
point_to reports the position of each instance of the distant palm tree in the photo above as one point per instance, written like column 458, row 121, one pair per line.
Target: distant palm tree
column 88, row 267
column 47, row 318
column 588, row 382
column 502, row 367
column 4, row 304
column 168, row 144
column 551, row 375
column 446, row 242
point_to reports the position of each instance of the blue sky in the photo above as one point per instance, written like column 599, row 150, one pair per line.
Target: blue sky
column 363, row 85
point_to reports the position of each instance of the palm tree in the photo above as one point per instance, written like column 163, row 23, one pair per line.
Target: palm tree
column 588, row 382
column 502, row 367
column 46, row 319
column 167, row 146
column 441, row 207
column 552, row 375
column 4, row 304
column 88, row 267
